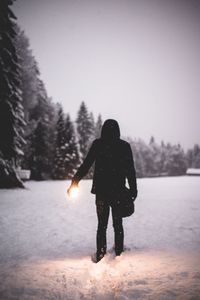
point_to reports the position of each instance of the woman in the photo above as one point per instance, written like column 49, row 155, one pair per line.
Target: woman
column 113, row 164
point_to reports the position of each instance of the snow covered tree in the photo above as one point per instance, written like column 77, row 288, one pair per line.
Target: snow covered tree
column 71, row 149
column 138, row 157
column 59, row 171
column 156, row 157
column 12, row 115
column 11, row 110
column 175, row 160
column 31, row 87
column 39, row 153
column 85, row 129
column 98, row 126
column 158, row 160
column 39, row 111
column 92, row 126
column 39, row 163
column 193, row 157
column 162, row 159
column 29, row 74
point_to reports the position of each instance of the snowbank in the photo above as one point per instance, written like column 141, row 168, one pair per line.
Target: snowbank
column 46, row 242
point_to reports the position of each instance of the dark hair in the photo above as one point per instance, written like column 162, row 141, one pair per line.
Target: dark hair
column 110, row 130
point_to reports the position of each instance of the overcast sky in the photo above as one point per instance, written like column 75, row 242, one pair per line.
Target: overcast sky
column 135, row 61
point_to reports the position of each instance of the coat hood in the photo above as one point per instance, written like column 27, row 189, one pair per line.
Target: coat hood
column 110, row 130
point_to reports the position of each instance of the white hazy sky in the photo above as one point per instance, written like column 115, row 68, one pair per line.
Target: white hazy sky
column 135, row 61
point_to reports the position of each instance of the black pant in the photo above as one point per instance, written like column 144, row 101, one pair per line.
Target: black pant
column 103, row 204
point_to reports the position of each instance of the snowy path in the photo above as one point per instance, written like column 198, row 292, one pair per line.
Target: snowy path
column 46, row 241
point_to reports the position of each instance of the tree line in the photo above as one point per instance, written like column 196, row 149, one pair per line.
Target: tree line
column 36, row 133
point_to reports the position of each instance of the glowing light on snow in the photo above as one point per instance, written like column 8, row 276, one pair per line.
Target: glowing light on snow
column 108, row 266
column 74, row 192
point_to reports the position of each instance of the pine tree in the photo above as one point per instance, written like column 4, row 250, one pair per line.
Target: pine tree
column 155, row 156
column 196, row 156
column 189, row 156
column 175, row 160
column 11, row 110
column 84, row 129
column 60, row 150
column 98, row 126
column 39, row 163
column 138, row 159
column 40, row 148
column 92, row 127
column 193, row 157
column 33, row 103
column 39, row 111
column 162, row 159
column 145, row 158
column 71, row 148
column 155, row 160
column 12, row 117
column 29, row 72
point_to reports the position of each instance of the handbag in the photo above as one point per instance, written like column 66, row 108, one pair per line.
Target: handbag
column 125, row 203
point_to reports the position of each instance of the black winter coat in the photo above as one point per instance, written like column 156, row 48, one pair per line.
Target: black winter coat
column 113, row 164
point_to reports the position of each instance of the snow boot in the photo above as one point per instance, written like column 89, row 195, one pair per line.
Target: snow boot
column 118, row 253
column 97, row 257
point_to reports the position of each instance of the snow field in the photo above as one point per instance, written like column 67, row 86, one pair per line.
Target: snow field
column 46, row 242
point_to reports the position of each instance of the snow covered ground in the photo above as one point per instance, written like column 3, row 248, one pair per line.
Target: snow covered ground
column 46, row 242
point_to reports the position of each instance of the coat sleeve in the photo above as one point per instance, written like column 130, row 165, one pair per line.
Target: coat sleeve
column 87, row 163
column 131, row 174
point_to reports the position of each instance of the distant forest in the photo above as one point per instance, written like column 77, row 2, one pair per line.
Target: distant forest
column 36, row 134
